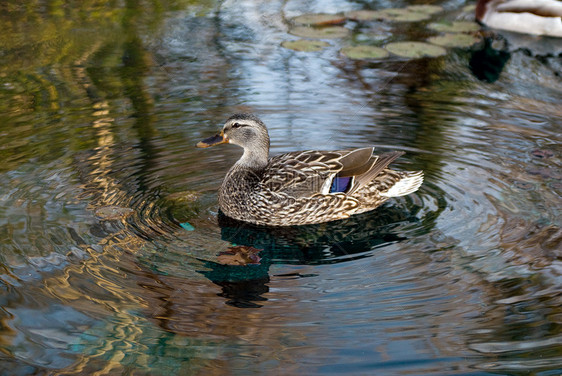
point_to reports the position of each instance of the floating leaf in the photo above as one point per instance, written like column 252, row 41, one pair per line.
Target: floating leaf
column 453, row 40
column 187, row 226
column 415, row 49
column 320, row 19
column 111, row 213
column 365, row 15
column 428, row 9
column 306, row 45
column 239, row 255
column 390, row 14
column 320, row 32
column 403, row 14
column 364, row 52
column 455, row 26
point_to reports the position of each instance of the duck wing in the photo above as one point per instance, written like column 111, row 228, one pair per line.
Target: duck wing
column 378, row 164
column 311, row 172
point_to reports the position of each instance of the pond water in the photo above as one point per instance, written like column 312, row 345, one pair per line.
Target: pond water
column 113, row 259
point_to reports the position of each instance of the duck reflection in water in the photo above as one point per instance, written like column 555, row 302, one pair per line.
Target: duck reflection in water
column 488, row 62
column 243, row 271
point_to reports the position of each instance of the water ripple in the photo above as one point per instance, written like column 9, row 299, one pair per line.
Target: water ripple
column 114, row 256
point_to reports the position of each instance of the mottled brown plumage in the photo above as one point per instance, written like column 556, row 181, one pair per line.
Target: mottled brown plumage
column 303, row 187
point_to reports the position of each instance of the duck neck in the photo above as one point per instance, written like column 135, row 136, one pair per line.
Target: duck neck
column 255, row 158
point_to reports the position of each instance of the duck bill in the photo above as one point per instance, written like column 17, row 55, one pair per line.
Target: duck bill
column 212, row 141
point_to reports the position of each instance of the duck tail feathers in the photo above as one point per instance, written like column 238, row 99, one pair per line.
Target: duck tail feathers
column 409, row 183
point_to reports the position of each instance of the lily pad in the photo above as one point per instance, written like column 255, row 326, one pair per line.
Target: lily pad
column 428, row 9
column 453, row 40
column 320, row 32
column 455, row 26
column 403, row 15
column 111, row 213
column 415, row 49
column 321, row 19
column 364, row 52
column 306, row 45
column 390, row 14
column 364, row 15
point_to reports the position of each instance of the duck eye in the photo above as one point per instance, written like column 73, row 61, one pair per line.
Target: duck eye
column 236, row 125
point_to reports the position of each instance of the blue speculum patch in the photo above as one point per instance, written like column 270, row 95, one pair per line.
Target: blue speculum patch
column 340, row 184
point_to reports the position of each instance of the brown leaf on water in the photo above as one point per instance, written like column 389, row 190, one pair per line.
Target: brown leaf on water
column 239, row 255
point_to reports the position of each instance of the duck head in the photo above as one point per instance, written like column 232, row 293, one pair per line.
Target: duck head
column 246, row 131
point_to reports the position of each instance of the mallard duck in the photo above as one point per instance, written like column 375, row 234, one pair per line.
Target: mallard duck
column 303, row 187
column 539, row 17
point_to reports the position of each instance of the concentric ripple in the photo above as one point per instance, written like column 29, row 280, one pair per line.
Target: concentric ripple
column 114, row 258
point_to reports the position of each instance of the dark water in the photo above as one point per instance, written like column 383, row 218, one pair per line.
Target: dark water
column 101, row 104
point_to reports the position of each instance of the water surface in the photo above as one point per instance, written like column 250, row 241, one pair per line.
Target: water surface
column 110, row 239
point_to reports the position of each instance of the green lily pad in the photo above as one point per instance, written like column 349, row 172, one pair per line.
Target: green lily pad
column 455, row 26
column 453, row 40
column 415, row 49
column 320, row 32
column 321, row 19
column 364, row 52
column 404, row 15
column 364, row 15
column 428, row 9
column 306, row 45
column 390, row 14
